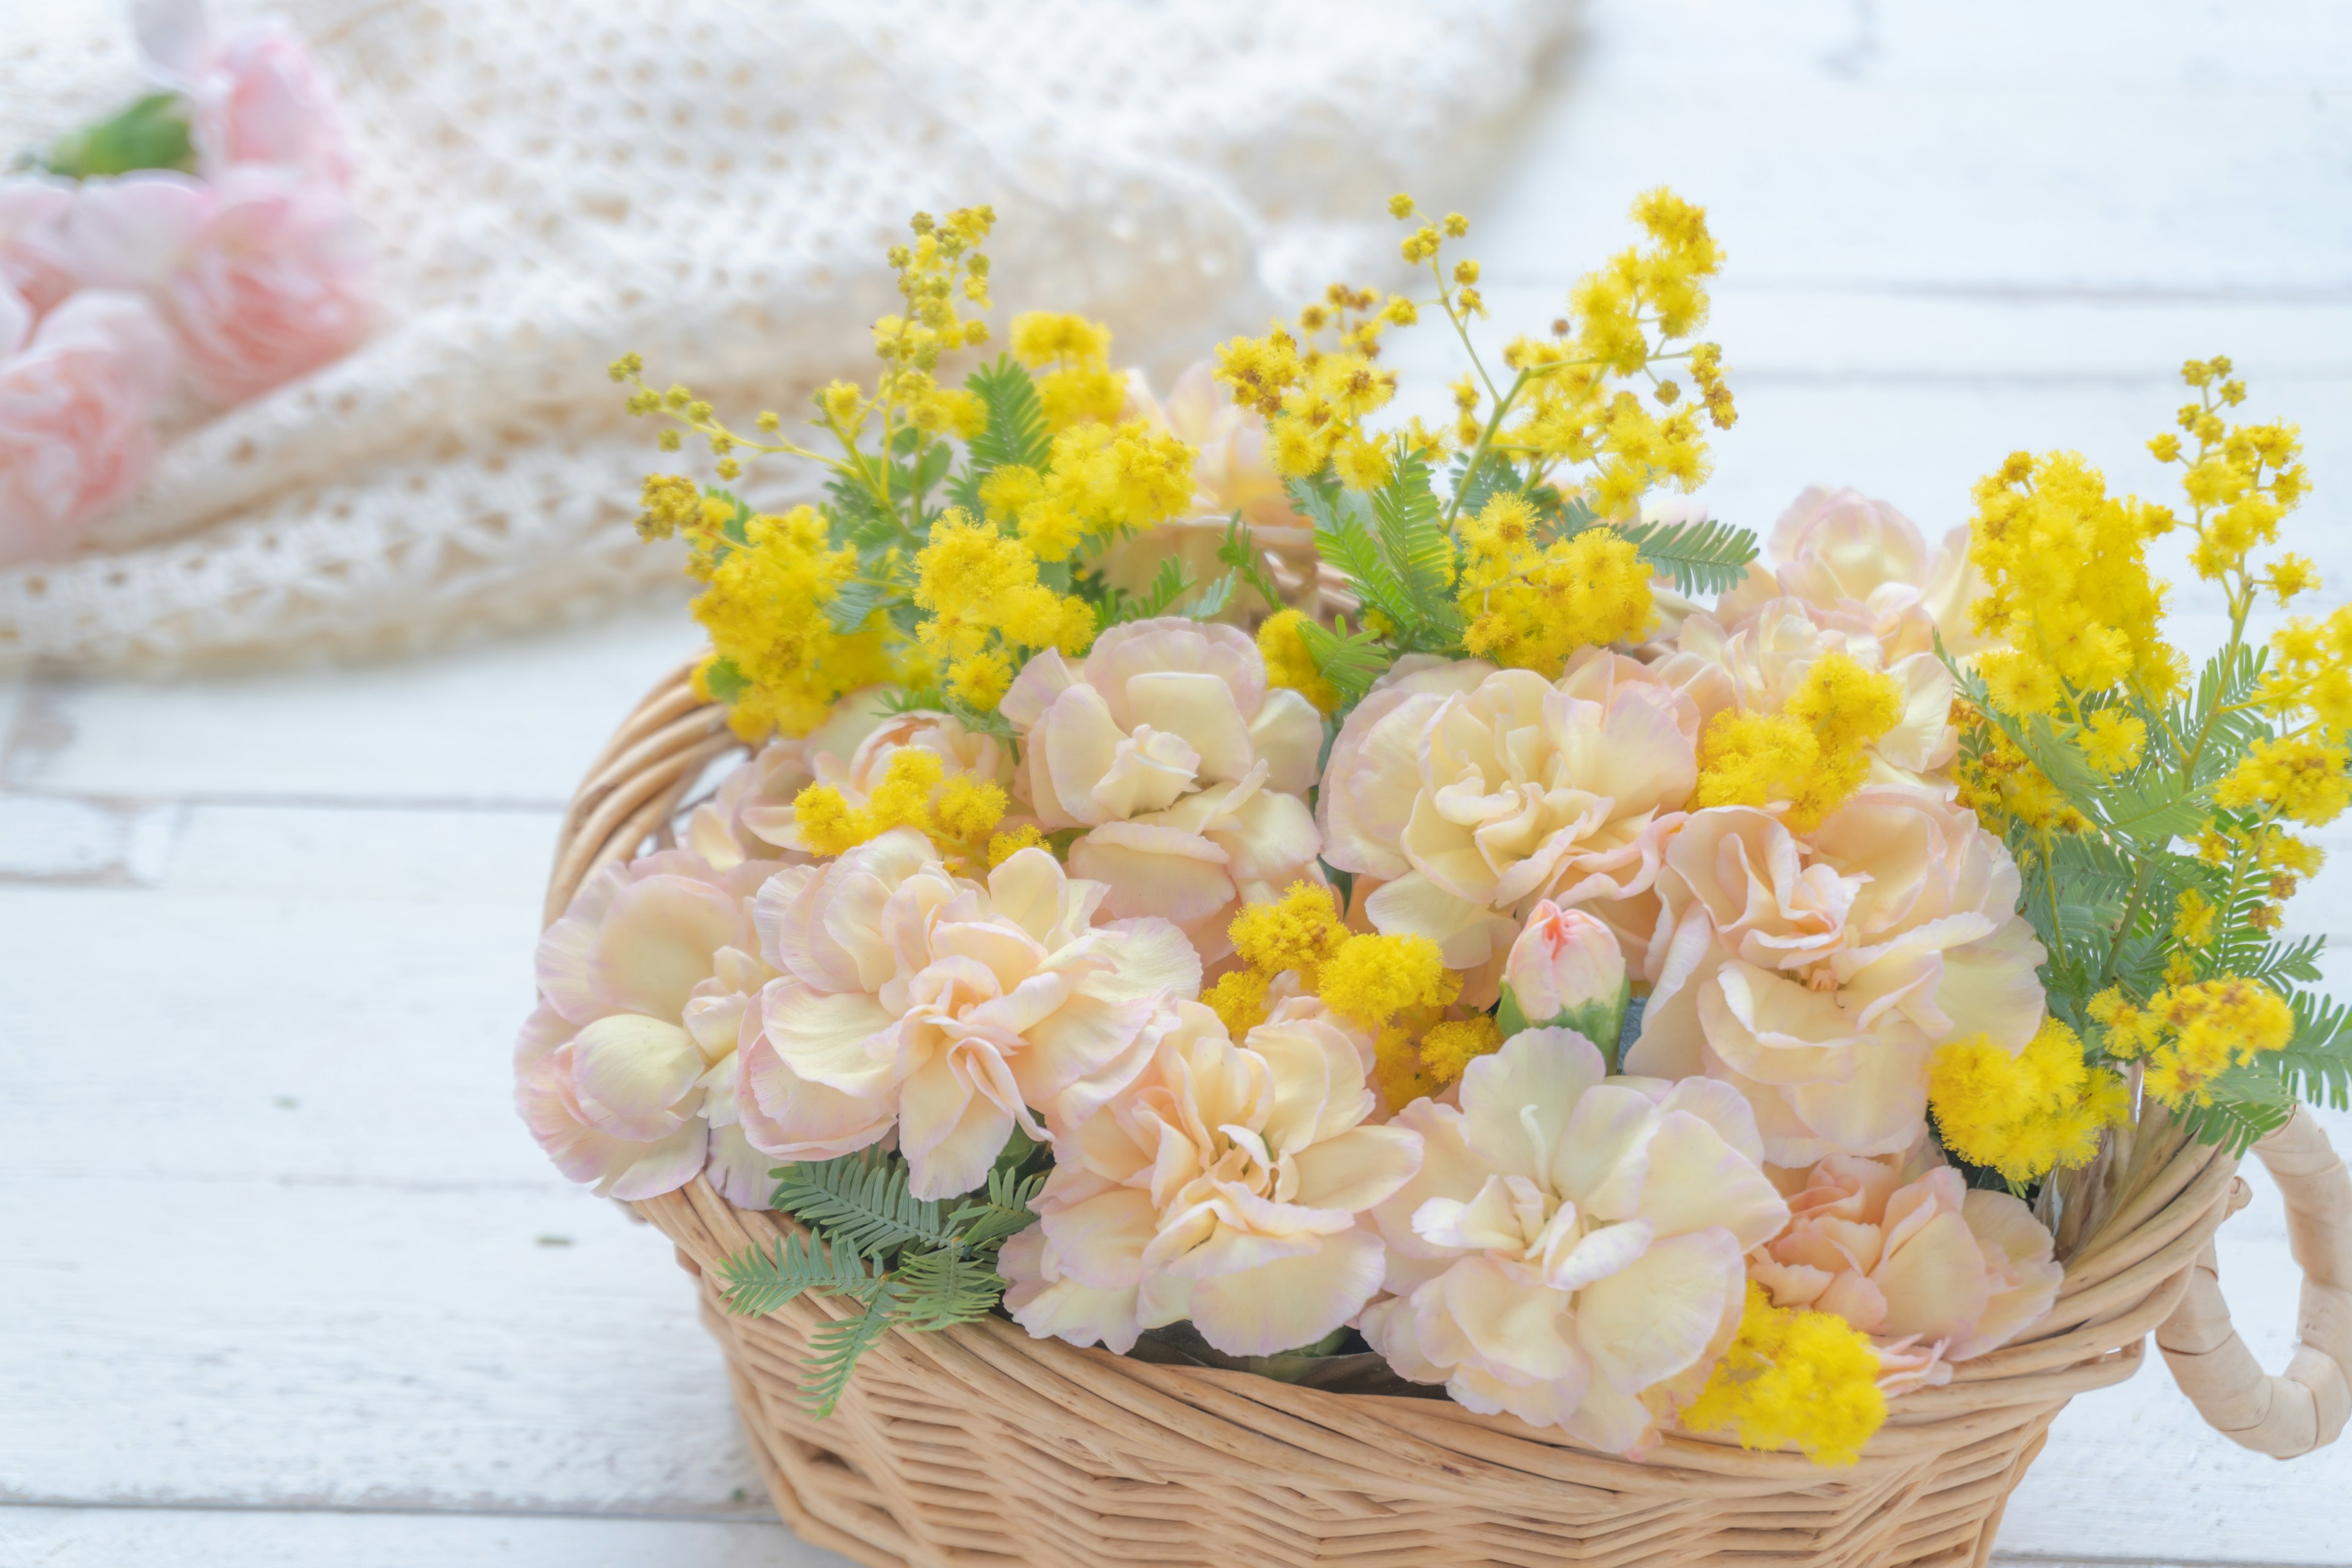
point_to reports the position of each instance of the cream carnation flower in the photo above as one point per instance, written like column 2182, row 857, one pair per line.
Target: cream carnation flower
column 640, row 984
column 1817, row 975
column 1225, row 1185
column 1474, row 793
column 1186, row 771
column 1864, row 565
column 914, row 1000
column 1932, row 1270
column 1572, row 1241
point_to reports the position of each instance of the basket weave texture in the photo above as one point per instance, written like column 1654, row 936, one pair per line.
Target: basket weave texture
column 979, row 1446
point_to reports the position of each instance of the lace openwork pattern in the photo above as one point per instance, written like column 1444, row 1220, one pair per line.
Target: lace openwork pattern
column 711, row 183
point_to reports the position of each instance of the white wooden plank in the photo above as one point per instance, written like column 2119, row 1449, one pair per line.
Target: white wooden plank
column 513, row 721
column 1837, row 148
column 190, row 1538
column 276, row 1233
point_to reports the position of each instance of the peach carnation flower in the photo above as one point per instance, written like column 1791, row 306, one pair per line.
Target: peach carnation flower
column 1759, row 667
column 1573, row 1241
column 1932, row 1270
column 717, row 829
column 1187, row 771
column 854, row 769
column 1817, row 975
column 1473, row 792
column 639, row 985
column 1863, row 564
column 1225, row 1185
column 916, row 1001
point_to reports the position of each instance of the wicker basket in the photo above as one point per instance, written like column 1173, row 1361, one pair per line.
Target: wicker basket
column 981, row 1446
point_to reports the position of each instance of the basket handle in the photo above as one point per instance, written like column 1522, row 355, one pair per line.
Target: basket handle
column 2306, row 1409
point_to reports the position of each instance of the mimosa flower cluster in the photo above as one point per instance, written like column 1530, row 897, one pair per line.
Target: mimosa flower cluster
column 1633, row 986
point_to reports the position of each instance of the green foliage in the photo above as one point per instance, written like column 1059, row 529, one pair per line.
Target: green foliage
column 863, row 1200
column 1015, row 431
column 858, row 599
column 1416, row 546
column 724, row 681
column 1701, row 557
column 151, row 133
column 874, row 1245
column 759, row 1281
column 1345, row 543
column 2316, row 1064
column 1495, row 474
column 2104, row 900
column 1168, row 586
column 835, row 1349
column 1241, row 552
column 1351, row 661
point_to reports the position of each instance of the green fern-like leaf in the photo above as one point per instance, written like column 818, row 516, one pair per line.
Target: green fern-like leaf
column 834, row 1350
column 857, row 599
column 1213, row 598
column 1004, row 1213
column 1702, row 557
column 1240, row 551
column 862, row 1200
column 1495, row 473
column 759, row 1281
column 1343, row 540
column 1351, row 661
column 2316, row 1063
column 1015, row 430
column 2247, row 1103
column 938, row 1289
column 724, row 681
column 1169, row 584
column 1419, row 550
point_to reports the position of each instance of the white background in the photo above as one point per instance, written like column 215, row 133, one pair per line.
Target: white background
column 282, row 1281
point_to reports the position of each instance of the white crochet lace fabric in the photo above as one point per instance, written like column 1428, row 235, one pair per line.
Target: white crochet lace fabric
column 711, row 183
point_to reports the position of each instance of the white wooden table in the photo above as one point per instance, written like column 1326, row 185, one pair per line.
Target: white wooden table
column 282, row 1281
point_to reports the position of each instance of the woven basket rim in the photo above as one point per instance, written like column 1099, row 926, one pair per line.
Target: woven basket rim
column 2159, row 1201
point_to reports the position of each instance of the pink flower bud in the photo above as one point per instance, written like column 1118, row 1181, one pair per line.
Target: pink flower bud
column 1567, row 963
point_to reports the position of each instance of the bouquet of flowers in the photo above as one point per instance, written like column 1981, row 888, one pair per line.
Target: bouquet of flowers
column 1530, row 949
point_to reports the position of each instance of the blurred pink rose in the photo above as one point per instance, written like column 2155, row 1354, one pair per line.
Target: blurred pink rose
column 275, row 284
column 263, row 276
column 76, row 434
column 33, row 210
column 260, row 99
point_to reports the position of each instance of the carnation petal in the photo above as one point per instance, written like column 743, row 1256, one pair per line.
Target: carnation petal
column 1602, row 1158
column 1466, row 933
column 1063, row 1308
column 1199, row 708
column 1291, row 1301
column 1287, row 736
column 833, row 1037
column 1516, row 1101
column 1698, row 1180
column 1358, row 1169
column 1658, row 1315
